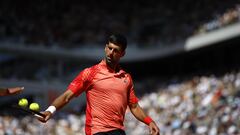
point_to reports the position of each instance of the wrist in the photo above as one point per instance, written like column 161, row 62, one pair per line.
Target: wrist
column 52, row 109
column 147, row 120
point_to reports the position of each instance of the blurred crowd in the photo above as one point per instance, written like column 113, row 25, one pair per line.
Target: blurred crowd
column 202, row 105
column 231, row 16
column 39, row 70
column 206, row 105
column 79, row 23
column 67, row 124
column 75, row 24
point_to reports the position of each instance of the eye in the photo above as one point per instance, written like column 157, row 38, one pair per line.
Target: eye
column 117, row 51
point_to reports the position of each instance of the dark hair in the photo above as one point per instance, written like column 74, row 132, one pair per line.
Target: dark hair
column 118, row 39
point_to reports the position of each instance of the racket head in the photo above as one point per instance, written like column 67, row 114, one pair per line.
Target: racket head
column 27, row 110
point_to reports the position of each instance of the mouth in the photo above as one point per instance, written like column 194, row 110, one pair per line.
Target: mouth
column 109, row 59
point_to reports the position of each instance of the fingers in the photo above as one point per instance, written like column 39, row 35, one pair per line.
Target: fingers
column 44, row 119
column 151, row 131
column 15, row 90
column 40, row 118
column 154, row 130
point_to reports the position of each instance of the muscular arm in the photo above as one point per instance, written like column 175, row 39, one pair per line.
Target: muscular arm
column 139, row 114
column 59, row 102
column 63, row 99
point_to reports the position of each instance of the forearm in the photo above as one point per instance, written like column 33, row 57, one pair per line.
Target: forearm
column 63, row 99
column 57, row 104
column 138, row 112
column 3, row 91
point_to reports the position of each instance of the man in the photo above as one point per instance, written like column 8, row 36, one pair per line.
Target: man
column 10, row 91
column 109, row 90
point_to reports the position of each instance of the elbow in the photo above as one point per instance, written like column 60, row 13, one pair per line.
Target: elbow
column 133, row 107
column 67, row 98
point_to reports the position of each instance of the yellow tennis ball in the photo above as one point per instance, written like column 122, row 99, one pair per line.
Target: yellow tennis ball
column 23, row 102
column 34, row 107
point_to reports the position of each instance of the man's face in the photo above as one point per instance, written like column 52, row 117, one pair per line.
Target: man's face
column 113, row 53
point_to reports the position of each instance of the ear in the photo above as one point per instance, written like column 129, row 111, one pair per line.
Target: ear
column 105, row 47
column 123, row 53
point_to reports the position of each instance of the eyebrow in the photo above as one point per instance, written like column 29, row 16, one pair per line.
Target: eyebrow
column 117, row 49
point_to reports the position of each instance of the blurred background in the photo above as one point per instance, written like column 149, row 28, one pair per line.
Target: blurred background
column 183, row 57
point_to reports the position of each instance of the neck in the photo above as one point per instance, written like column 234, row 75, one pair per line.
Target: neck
column 113, row 66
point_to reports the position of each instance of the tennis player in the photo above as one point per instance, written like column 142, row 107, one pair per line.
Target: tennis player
column 109, row 91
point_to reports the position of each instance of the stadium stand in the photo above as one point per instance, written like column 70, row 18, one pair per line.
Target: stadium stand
column 81, row 23
column 202, row 105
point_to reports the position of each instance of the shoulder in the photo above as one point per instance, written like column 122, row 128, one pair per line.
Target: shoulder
column 93, row 68
column 90, row 69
